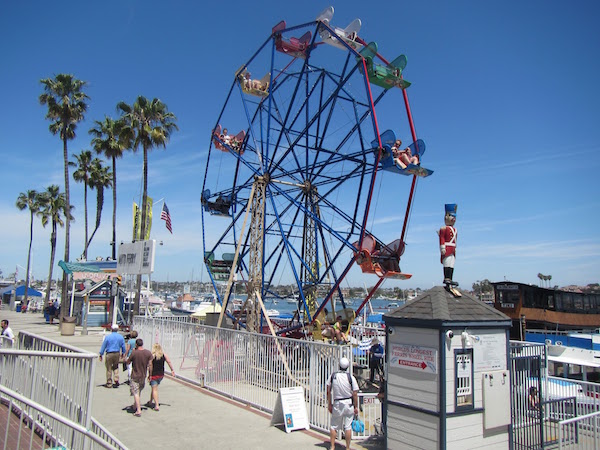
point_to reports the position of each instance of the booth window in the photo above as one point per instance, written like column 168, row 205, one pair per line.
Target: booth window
column 463, row 378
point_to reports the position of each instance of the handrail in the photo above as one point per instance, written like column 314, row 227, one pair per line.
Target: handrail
column 49, row 413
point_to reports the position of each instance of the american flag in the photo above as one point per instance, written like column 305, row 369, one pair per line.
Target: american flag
column 164, row 215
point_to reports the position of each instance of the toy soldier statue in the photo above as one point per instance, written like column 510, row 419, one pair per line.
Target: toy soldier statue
column 447, row 236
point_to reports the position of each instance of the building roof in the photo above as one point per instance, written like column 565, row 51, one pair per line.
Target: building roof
column 439, row 305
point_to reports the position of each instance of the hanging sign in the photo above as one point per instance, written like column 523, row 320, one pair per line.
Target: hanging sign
column 136, row 258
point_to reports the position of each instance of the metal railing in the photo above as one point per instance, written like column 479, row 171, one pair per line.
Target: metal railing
column 60, row 381
column 29, row 341
column 580, row 433
column 586, row 394
column 250, row 367
column 31, row 425
column 55, row 376
column 361, row 337
column 567, row 416
column 106, row 436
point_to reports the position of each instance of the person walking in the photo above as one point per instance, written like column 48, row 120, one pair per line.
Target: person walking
column 128, row 351
column 114, row 346
column 375, row 360
column 140, row 362
column 7, row 337
column 342, row 400
column 157, row 373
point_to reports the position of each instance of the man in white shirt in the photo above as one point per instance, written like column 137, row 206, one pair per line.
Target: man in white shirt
column 342, row 399
column 7, row 336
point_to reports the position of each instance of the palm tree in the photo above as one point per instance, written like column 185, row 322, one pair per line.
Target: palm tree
column 29, row 200
column 109, row 141
column 83, row 164
column 147, row 124
column 67, row 105
column 100, row 178
column 53, row 208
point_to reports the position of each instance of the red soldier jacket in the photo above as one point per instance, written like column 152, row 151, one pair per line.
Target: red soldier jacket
column 447, row 241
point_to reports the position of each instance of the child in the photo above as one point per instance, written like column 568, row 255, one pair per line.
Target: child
column 403, row 158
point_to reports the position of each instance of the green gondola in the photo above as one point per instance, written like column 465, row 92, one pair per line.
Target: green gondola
column 385, row 76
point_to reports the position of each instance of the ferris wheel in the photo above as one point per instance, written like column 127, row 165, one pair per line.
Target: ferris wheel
column 291, row 173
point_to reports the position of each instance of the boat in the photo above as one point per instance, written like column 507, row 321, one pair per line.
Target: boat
column 187, row 304
column 272, row 313
column 534, row 307
column 574, row 355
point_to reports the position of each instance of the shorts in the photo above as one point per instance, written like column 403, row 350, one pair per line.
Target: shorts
column 342, row 415
column 135, row 387
column 156, row 382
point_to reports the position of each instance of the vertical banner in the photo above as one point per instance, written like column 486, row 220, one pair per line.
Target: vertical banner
column 136, row 222
column 148, row 218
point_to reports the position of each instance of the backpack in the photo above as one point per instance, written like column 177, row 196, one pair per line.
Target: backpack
column 349, row 378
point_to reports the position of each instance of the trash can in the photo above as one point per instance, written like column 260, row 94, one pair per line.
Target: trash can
column 67, row 326
column 18, row 307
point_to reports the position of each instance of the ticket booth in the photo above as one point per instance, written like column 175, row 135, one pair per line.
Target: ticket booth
column 448, row 383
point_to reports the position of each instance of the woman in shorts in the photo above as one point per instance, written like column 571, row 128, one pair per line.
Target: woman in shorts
column 156, row 373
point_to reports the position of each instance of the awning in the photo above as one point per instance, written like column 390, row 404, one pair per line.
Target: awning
column 69, row 267
column 89, row 270
column 31, row 292
column 577, row 361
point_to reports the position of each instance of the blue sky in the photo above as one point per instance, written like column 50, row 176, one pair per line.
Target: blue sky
column 504, row 93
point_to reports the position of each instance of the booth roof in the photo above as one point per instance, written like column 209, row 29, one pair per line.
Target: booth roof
column 31, row 292
column 437, row 304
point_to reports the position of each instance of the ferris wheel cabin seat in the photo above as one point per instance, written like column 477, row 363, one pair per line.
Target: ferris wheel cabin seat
column 387, row 161
column 260, row 88
column 349, row 34
column 218, row 207
column 381, row 260
column 296, row 47
column 226, row 142
column 384, row 76
column 220, row 268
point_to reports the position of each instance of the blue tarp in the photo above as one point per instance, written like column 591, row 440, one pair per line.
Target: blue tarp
column 31, row 292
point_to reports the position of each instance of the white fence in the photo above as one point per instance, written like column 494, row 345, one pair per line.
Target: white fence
column 30, row 425
column 251, row 368
column 54, row 376
column 568, row 412
column 581, row 433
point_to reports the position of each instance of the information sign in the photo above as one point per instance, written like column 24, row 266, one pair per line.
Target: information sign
column 290, row 409
column 136, row 258
column 413, row 357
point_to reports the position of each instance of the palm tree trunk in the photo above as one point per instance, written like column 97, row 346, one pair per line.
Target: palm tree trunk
column 85, row 209
column 99, row 206
column 138, row 287
column 65, row 279
column 52, row 256
column 114, row 218
column 25, row 294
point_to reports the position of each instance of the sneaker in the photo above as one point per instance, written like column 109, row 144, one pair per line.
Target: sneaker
column 116, row 385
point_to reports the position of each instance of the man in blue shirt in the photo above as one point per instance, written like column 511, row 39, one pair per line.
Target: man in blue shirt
column 376, row 359
column 114, row 346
